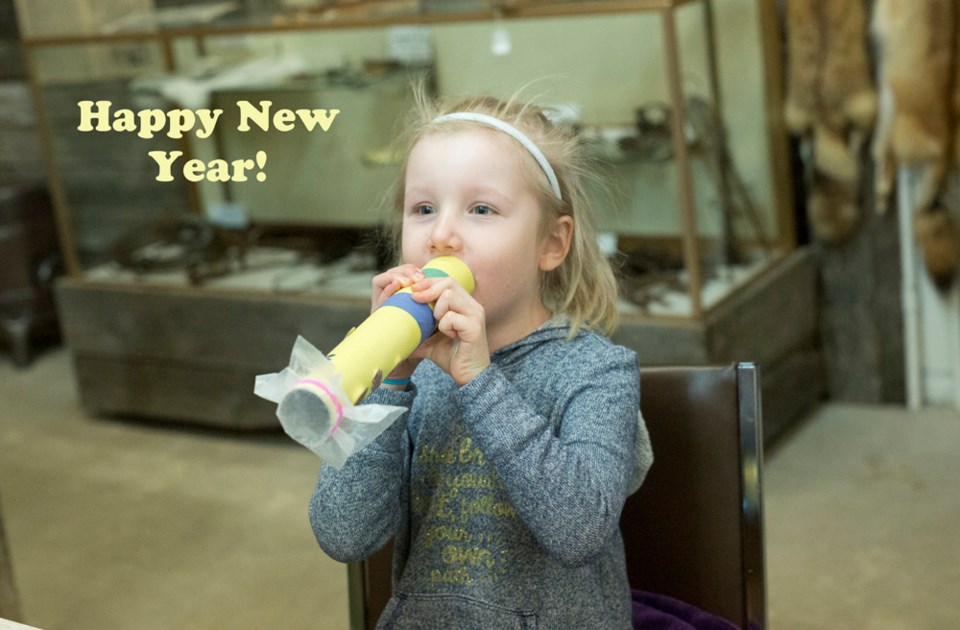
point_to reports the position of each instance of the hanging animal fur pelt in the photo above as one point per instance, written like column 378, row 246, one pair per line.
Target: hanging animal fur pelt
column 830, row 103
column 919, row 106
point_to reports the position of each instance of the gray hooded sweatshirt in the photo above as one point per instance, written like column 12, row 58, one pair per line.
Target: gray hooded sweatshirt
column 503, row 495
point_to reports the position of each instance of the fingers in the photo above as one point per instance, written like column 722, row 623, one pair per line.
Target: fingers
column 429, row 290
column 459, row 326
column 391, row 281
column 458, row 315
column 460, row 348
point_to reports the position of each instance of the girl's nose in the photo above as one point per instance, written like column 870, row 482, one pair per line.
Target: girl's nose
column 445, row 235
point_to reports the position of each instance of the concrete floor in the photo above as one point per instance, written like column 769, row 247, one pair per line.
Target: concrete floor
column 863, row 521
column 116, row 525
column 133, row 525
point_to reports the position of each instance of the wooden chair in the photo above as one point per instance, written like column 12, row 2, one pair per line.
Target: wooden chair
column 694, row 530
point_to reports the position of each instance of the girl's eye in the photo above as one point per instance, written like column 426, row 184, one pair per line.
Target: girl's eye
column 424, row 209
column 482, row 210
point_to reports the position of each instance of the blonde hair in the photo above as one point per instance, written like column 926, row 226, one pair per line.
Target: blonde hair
column 583, row 287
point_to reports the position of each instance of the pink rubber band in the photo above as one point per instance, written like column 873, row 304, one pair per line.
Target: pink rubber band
column 336, row 403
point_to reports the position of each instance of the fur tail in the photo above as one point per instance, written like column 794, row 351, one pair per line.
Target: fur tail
column 937, row 235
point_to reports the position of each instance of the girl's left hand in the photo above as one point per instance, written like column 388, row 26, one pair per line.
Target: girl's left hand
column 460, row 345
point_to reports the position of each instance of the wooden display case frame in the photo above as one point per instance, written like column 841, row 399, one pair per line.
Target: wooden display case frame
column 666, row 10
column 124, row 368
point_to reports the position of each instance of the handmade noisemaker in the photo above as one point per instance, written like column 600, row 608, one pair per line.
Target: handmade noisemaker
column 318, row 396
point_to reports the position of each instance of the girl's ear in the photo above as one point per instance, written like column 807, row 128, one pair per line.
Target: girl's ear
column 556, row 243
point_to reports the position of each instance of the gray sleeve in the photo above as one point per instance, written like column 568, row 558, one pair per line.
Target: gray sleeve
column 643, row 453
column 570, row 487
column 354, row 511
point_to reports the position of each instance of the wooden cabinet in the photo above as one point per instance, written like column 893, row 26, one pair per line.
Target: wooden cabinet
column 31, row 261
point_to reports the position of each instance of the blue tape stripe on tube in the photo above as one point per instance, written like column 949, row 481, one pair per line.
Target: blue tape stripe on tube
column 420, row 312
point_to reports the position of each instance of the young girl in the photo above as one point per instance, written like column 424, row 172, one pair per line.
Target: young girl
column 503, row 485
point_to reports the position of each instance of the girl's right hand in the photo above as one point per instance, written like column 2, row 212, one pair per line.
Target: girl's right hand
column 385, row 285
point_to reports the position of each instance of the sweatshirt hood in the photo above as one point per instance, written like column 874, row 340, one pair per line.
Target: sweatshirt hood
column 557, row 327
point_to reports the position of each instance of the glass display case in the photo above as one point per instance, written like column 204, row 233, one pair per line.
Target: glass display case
column 672, row 98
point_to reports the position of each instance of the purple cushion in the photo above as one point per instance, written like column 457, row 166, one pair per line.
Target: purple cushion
column 652, row 611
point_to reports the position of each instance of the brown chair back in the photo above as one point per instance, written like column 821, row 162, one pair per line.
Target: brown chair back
column 694, row 530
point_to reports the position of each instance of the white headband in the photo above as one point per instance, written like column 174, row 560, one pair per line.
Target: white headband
column 514, row 133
